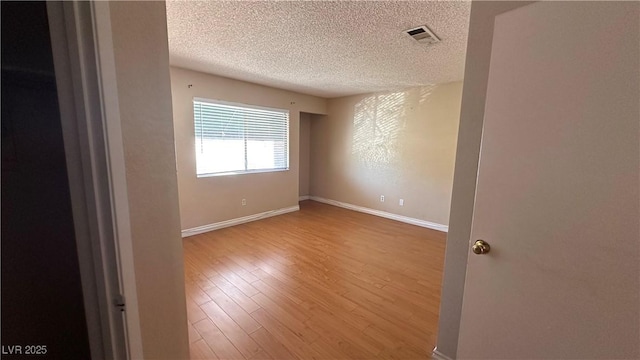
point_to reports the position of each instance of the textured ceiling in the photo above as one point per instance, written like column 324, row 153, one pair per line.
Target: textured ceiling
column 322, row 48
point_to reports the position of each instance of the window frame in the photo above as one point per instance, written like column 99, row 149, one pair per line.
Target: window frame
column 246, row 106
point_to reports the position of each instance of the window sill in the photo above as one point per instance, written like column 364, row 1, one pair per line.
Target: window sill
column 243, row 172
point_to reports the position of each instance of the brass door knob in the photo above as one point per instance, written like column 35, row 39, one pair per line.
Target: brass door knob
column 480, row 247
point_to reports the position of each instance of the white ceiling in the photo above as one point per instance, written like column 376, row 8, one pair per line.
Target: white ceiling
column 321, row 48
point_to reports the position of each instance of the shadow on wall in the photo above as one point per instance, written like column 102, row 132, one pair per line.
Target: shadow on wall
column 398, row 144
column 380, row 123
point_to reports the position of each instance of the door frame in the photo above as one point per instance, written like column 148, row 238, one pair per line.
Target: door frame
column 84, row 64
column 476, row 78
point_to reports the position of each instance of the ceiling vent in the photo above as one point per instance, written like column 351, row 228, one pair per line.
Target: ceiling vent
column 423, row 35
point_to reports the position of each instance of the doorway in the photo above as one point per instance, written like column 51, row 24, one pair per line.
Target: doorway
column 42, row 300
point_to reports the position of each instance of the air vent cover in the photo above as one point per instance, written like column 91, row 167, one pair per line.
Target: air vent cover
column 423, row 35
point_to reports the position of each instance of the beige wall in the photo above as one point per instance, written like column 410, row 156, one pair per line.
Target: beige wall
column 398, row 144
column 144, row 95
column 209, row 200
column 305, row 148
column 466, row 168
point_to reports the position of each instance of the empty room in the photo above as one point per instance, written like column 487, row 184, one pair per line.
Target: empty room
column 320, row 180
column 315, row 149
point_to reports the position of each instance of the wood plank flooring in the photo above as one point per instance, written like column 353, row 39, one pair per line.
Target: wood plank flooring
column 321, row 283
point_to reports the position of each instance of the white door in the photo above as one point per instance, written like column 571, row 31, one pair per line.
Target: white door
column 557, row 196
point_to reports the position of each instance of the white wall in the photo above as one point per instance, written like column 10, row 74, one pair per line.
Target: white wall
column 209, row 200
column 141, row 57
column 305, row 153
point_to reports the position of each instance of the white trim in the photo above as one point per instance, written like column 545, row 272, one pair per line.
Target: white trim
column 237, row 221
column 85, row 76
column 239, row 172
column 384, row 214
column 437, row 355
column 304, row 197
column 118, row 191
column 95, row 281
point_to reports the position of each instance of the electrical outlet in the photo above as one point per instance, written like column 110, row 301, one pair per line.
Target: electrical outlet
column 381, row 198
column 244, row 202
column 401, row 202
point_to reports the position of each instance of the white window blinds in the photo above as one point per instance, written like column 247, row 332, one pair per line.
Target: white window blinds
column 235, row 138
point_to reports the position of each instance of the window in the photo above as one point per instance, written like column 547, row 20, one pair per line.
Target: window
column 237, row 138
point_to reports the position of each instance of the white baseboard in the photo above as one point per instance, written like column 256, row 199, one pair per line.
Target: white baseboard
column 237, row 221
column 245, row 219
column 384, row 214
column 437, row 355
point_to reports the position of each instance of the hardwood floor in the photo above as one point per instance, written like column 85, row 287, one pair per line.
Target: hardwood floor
column 321, row 283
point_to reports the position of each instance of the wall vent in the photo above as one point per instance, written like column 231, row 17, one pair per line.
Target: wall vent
column 423, row 35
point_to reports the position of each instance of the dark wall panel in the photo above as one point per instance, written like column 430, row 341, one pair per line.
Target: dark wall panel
column 41, row 289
